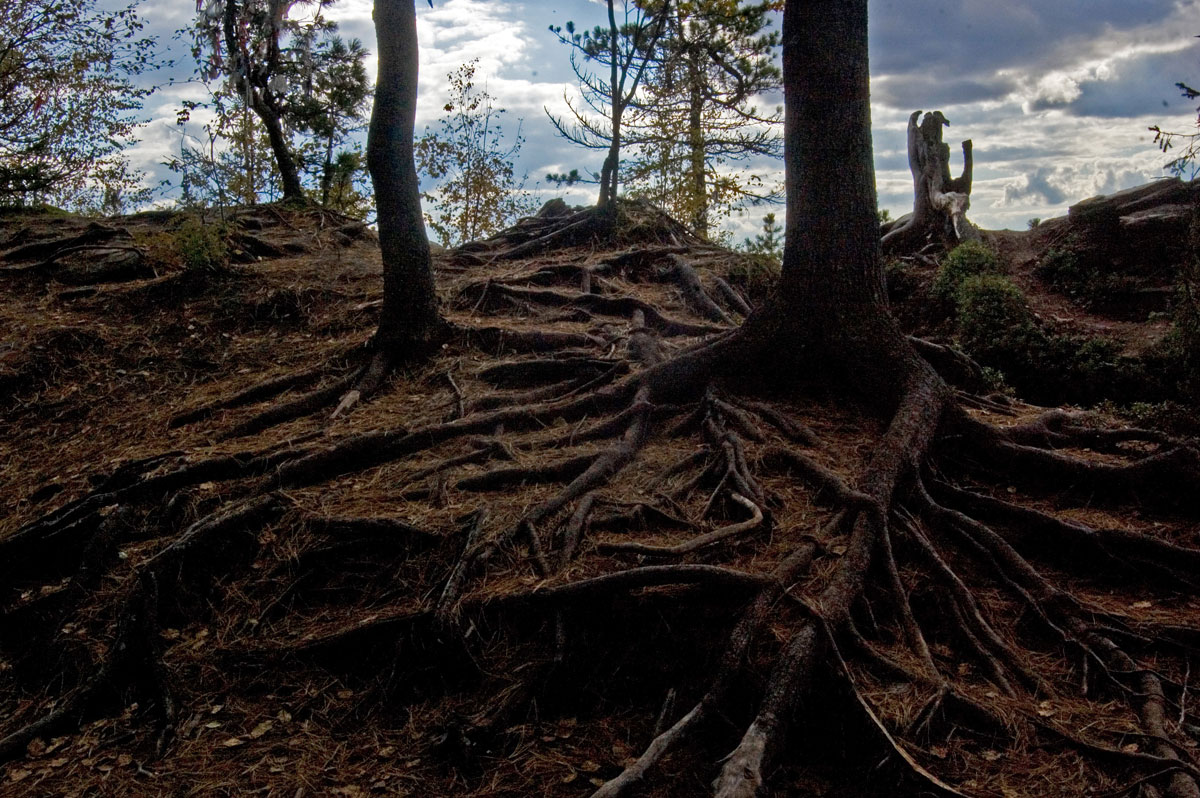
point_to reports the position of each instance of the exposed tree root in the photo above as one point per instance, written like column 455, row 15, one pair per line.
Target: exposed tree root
column 623, row 470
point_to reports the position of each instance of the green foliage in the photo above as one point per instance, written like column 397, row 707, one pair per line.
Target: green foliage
column 69, row 102
column 621, row 55
column 998, row 329
column 346, row 186
column 477, row 191
column 993, row 316
column 696, row 122
column 332, row 107
column 1034, row 223
column 968, row 259
column 995, row 382
column 767, row 243
column 1079, row 273
column 200, row 246
column 294, row 70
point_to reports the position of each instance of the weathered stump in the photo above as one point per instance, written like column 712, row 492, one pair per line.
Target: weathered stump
column 940, row 202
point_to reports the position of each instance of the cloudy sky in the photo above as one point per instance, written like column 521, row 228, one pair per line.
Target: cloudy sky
column 1057, row 96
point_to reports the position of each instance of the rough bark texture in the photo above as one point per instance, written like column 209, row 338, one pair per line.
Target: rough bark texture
column 940, row 202
column 409, row 319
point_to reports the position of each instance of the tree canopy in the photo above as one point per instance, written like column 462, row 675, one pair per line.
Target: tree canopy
column 70, row 99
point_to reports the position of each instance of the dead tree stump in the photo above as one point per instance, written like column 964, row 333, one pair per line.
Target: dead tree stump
column 940, row 202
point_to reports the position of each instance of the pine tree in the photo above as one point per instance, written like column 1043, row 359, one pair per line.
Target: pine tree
column 697, row 117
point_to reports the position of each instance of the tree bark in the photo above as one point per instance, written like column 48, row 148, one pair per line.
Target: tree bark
column 608, row 172
column 409, row 318
column 940, row 202
column 255, row 95
column 830, row 309
column 289, row 174
column 697, row 152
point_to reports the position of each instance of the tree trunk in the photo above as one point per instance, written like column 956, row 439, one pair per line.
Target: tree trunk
column 696, row 148
column 608, row 172
column 830, row 308
column 289, row 174
column 327, row 172
column 254, row 97
column 409, row 318
column 940, row 202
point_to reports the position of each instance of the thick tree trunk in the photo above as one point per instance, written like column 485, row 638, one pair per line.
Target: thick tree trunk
column 830, row 309
column 409, row 318
column 940, row 202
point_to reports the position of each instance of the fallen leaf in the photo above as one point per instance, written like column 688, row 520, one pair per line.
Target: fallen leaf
column 233, row 742
column 261, row 729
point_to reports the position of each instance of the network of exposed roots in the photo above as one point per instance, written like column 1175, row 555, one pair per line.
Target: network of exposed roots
column 593, row 546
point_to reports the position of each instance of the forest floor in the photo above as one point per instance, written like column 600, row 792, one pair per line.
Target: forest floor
column 296, row 666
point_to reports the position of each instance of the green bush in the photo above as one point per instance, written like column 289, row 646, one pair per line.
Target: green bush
column 200, row 246
column 993, row 317
column 1080, row 274
column 968, row 259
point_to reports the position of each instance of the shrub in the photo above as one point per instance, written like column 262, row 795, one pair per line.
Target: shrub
column 968, row 259
column 200, row 246
column 993, row 317
column 1080, row 273
column 1034, row 223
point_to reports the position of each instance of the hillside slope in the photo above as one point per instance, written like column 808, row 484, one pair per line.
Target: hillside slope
column 334, row 638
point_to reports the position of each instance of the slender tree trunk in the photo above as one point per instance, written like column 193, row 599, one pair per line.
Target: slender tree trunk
column 327, row 172
column 289, row 173
column 696, row 148
column 608, row 172
column 253, row 95
column 409, row 318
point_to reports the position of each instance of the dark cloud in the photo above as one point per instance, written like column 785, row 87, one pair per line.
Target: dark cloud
column 890, row 160
column 1142, row 86
column 916, row 91
column 966, row 38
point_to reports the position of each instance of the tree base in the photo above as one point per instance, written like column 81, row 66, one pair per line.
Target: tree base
column 632, row 504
